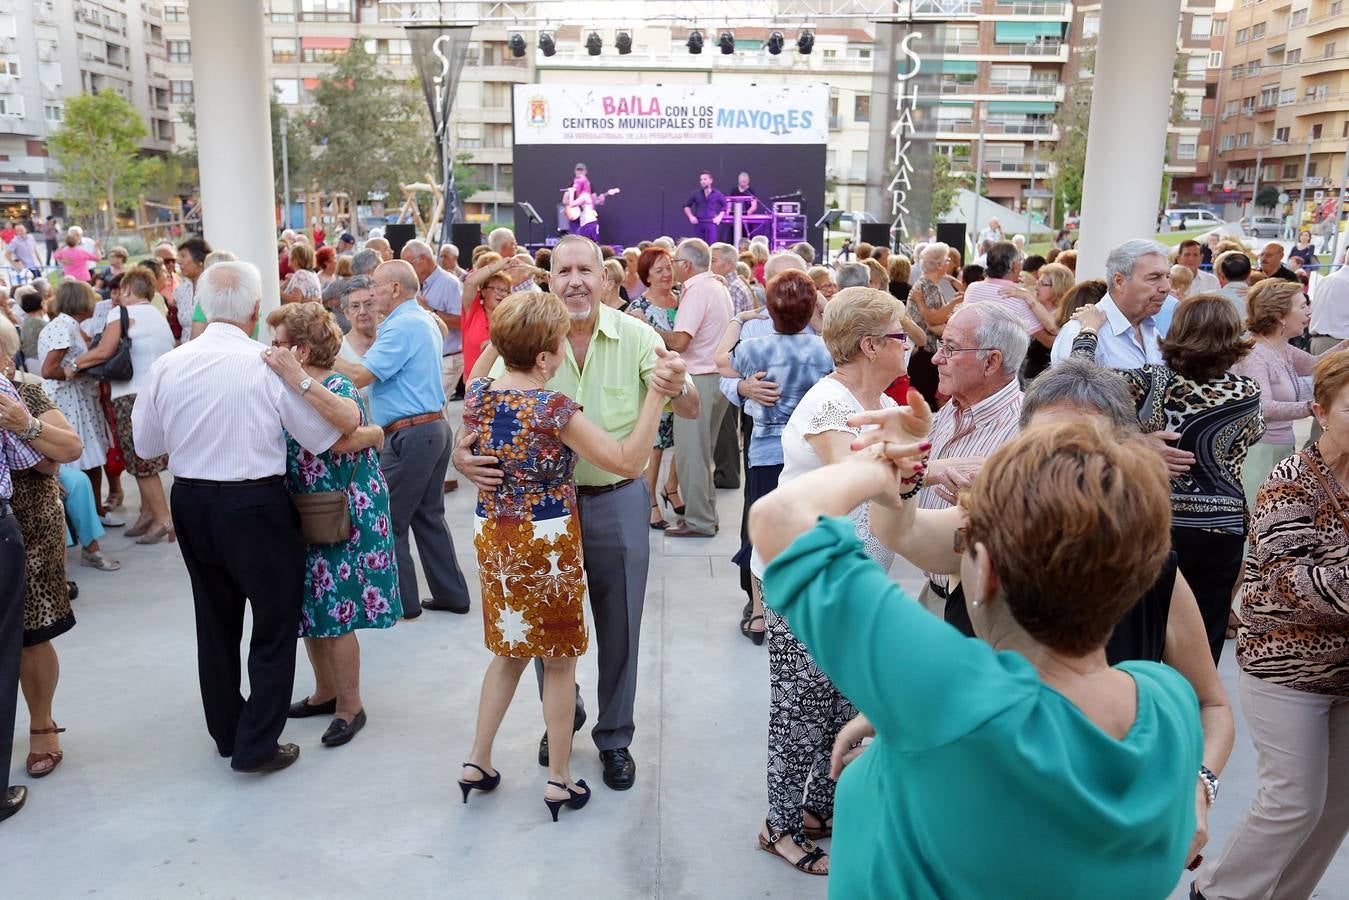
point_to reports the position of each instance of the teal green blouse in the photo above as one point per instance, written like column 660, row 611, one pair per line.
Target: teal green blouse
column 982, row 780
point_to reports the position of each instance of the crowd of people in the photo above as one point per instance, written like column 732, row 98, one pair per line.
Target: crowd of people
column 1099, row 480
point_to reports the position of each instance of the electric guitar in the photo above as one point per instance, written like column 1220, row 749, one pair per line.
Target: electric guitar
column 574, row 208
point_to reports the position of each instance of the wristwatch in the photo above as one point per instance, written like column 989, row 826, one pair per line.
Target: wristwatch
column 1210, row 783
column 305, row 384
column 32, row 432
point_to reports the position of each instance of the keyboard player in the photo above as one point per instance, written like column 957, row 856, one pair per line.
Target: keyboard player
column 752, row 208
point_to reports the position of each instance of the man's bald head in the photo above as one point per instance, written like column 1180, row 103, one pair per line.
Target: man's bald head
column 380, row 246
column 420, row 256
column 395, row 282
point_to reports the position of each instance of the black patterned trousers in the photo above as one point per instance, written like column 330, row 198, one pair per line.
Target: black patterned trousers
column 805, row 714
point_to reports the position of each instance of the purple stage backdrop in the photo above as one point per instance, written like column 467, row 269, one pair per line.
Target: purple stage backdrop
column 651, row 141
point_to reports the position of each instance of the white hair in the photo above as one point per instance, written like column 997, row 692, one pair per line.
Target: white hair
column 781, row 262
column 75, row 230
column 934, row 256
column 229, row 291
column 449, row 248
column 724, row 252
column 218, row 256
column 415, row 249
column 758, row 239
column 574, row 239
column 853, row 274
column 288, row 234
column 1000, row 329
column 1123, row 258
column 695, row 251
column 499, row 238
column 666, row 242
column 1019, row 240
column 162, row 244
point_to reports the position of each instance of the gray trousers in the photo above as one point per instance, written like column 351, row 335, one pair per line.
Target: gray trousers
column 617, row 555
column 414, row 463
column 1320, row 344
column 693, row 442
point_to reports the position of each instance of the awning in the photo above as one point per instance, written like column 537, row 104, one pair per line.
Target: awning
column 1026, row 32
column 325, row 43
column 958, row 66
column 1021, row 106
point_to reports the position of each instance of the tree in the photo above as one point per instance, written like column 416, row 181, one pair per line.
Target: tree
column 369, row 133
column 945, row 185
column 1268, row 197
column 467, row 177
column 97, row 153
column 1070, row 151
column 298, row 144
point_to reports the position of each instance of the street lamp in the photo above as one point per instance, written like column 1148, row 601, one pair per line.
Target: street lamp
column 285, row 172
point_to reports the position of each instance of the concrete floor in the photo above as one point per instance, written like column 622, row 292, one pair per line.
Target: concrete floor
column 143, row 808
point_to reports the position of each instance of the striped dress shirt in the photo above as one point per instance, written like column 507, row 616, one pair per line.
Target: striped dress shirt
column 219, row 412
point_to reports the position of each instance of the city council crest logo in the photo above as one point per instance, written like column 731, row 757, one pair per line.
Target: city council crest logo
column 538, row 112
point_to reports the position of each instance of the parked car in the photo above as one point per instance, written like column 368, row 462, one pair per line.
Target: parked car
column 1190, row 219
column 1264, row 226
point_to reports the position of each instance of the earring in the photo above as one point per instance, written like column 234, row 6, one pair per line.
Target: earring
column 974, row 603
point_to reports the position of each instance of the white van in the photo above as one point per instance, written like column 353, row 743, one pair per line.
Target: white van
column 1190, row 219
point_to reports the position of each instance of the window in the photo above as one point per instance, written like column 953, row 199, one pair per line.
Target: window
column 1009, row 74
column 1269, row 95
column 1206, row 123
column 1219, row 27
column 1289, row 170
column 180, row 92
column 1252, row 68
column 1316, row 131
column 9, row 67
column 1226, row 143
column 326, row 11
column 1243, row 35
column 1257, row 31
column 1201, row 26
column 175, row 14
column 1268, row 174
column 287, row 90
column 11, row 106
column 283, row 10
column 1337, row 7
column 1329, row 50
column 1248, row 104
column 320, row 54
column 1091, row 25
column 1230, row 109
column 1187, row 148
column 180, row 51
column 1193, row 108
column 1238, row 71
column 861, row 108
column 1311, row 169
column 389, row 51
column 1292, row 57
column 1299, row 17
column 1345, row 132
column 1215, row 59
column 1287, row 96
column 284, row 50
column 1195, row 65
column 54, row 113
column 1281, row 135
column 1244, row 139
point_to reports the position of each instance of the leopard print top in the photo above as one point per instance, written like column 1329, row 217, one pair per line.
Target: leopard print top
column 1295, row 597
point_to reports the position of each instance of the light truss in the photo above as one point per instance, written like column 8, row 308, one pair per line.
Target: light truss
column 553, row 13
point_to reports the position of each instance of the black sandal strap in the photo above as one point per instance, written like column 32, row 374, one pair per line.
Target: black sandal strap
column 469, row 765
column 810, row 859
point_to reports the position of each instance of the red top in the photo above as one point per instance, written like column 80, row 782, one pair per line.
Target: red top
column 476, row 333
column 898, row 391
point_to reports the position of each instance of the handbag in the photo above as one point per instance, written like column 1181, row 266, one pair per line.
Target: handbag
column 325, row 517
column 118, row 366
column 1325, row 486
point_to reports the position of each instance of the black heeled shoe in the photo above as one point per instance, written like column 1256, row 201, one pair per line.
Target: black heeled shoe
column 575, row 799
column 486, row 784
column 678, row 510
column 660, row 524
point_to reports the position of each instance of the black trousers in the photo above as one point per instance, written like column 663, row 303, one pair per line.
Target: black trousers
column 242, row 543
column 1211, row 563
column 726, row 450
column 11, row 636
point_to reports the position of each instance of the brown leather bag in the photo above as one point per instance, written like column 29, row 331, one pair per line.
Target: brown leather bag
column 325, row 517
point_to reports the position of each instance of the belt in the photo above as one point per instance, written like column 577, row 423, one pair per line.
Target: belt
column 594, row 490
column 938, row 589
column 242, row 482
column 419, row 419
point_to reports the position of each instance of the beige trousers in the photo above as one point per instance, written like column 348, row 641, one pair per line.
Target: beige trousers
column 1300, row 813
column 451, row 367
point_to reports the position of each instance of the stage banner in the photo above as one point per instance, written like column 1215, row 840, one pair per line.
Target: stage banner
column 671, row 114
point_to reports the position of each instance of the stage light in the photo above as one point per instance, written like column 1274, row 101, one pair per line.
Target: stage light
column 623, row 41
column 594, row 43
column 775, row 42
column 546, row 43
column 727, row 43
column 805, row 42
column 695, row 43
column 517, row 44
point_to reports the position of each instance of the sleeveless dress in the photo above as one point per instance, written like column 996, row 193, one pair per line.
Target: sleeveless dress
column 354, row 584
column 526, row 533
column 662, row 319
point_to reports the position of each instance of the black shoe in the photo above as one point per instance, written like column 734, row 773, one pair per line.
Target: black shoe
column 440, row 607
column 487, row 783
column 575, row 799
column 408, row 616
column 13, row 802
column 620, row 772
column 726, row 485
column 576, row 723
column 303, row 709
column 284, row 756
column 340, row 731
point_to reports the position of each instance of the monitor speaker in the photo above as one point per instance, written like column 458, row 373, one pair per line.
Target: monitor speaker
column 877, row 234
column 952, row 234
column 398, row 235
column 465, row 236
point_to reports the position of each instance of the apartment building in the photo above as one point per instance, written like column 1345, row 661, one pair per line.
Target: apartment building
column 54, row 49
column 305, row 37
column 1284, row 104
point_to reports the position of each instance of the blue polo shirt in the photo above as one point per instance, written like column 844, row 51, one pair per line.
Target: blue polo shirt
column 405, row 360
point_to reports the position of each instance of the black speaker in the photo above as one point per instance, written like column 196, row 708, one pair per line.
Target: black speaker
column 952, row 234
column 398, row 235
column 877, row 234
column 465, row 236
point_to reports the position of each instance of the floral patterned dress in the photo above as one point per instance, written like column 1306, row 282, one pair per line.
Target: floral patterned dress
column 355, row 584
column 526, row 532
column 662, row 319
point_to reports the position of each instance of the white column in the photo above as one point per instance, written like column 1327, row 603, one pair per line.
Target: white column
column 1126, row 141
column 234, row 134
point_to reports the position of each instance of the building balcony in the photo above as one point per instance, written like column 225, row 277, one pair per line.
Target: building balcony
column 1049, row 51
column 1035, row 9
column 1317, row 105
column 1040, row 90
column 1322, row 66
column 1017, row 168
column 1326, row 24
column 964, row 131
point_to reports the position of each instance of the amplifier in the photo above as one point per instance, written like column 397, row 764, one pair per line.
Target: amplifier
column 788, row 230
column 786, row 209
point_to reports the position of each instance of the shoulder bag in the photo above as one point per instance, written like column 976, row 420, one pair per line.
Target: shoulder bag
column 325, row 517
column 118, row 366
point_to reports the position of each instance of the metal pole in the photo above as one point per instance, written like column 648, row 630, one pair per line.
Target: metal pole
column 1338, row 241
column 978, row 172
column 285, row 173
column 1030, row 195
column 1306, row 173
column 1259, row 162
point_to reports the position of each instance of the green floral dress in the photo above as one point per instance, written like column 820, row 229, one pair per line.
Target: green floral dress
column 661, row 319
column 354, row 584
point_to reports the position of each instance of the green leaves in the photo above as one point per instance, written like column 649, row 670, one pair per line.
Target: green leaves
column 97, row 151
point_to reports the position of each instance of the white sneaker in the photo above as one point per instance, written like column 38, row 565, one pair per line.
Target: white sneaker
column 110, row 521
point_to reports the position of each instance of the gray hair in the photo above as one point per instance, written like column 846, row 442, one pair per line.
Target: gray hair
column 805, row 251
column 852, row 274
column 353, row 284
column 229, row 291
column 1123, row 258
column 573, row 239
column 999, row 329
column 614, row 270
column 933, row 256
column 695, row 251
column 218, row 256
column 499, row 237
column 448, row 248
column 1084, row 385
column 665, row 241
column 363, row 262
column 781, row 262
column 415, row 249
column 724, row 252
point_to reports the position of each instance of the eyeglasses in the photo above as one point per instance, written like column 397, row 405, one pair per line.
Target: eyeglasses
column 278, row 343
column 900, row 336
column 944, row 350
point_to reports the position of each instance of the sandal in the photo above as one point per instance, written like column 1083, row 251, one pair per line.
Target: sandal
column 659, row 524
column 40, row 765
column 823, row 830
column 678, row 510
column 754, row 635
column 1232, row 624
column 806, row 863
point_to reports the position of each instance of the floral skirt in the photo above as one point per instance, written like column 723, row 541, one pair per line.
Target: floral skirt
column 136, row 465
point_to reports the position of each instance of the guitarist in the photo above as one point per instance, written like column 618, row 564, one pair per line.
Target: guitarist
column 581, row 201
